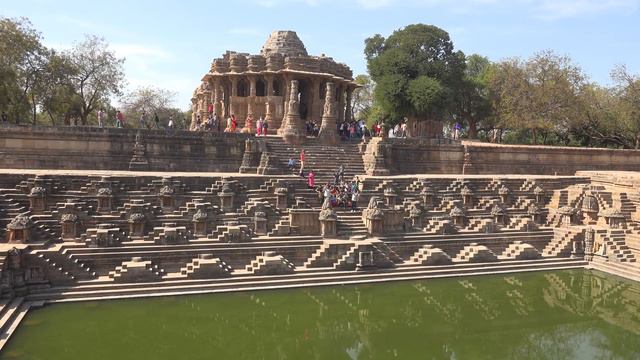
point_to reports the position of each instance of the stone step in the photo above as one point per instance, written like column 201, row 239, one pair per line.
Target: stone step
column 303, row 278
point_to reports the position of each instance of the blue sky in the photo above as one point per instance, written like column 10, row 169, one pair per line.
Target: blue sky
column 171, row 44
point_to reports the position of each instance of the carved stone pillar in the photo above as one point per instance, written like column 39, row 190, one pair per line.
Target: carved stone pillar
column 137, row 224
column 227, row 196
column 217, row 100
column 260, row 220
column 268, row 117
column 391, row 197
column 293, row 131
column 199, row 220
column 328, row 134
column 282, row 195
column 269, row 80
column 234, row 87
column 340, row 92
column 347, row 110
column 252, row 86
column 504, row 194
column 38, row 199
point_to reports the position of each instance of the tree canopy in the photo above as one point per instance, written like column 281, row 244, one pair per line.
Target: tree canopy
column 416, row 71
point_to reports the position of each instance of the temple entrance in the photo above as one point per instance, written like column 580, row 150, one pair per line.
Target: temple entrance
column 261, row 88
column 277, row 88
column 243, row 88
column 304, row 98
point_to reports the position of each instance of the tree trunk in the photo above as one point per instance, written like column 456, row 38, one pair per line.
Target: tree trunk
column 534, row 135
column 473, row 127
column 34, row 108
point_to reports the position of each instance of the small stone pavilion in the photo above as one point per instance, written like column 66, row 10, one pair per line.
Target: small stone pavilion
column 283, row 84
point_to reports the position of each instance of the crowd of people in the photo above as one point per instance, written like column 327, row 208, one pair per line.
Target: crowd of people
column 213, row 123
column 144, row 123
column 341, row 192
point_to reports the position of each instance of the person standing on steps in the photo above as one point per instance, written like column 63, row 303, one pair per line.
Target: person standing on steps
column 143, row 120
column 311, row 179
column 100, row 118
column 119, row 119
column 301, row 159
column 156, row 119
column 354, row 200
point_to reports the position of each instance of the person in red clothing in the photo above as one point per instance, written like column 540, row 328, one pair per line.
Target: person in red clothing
column 301, row 159
column 119, row 119
column 234, row 123
column 311, row 179
column 210, row 108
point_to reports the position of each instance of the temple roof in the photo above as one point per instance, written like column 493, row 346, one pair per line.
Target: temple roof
column 284, row 42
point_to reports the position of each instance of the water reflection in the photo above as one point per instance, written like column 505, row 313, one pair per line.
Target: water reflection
column 553, row 315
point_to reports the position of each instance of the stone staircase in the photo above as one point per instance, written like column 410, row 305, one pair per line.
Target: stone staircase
column 327, row 253
column 429, row 255
column 323, row 160
column 269, row 263
column 137, row 270
column 205, row 266
column 475, row 253
column 615, row 241
column 520, row 251
column 561, row 244
column 12, row 311
column 350, row 223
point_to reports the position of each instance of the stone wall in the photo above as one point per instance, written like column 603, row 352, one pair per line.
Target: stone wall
column 438, row 156
column 24, row 147
column 487, row 158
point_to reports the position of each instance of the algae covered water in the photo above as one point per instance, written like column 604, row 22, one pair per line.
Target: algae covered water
column 574, row 314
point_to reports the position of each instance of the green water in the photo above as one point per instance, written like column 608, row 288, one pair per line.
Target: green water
column 553, row 315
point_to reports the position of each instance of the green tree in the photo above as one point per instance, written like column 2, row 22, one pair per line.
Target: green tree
column 22, row 62
column 472, row 105
column 627, row 89
column 416, row 71
column 98, row 74
column 150, row 100
column 541, row 94
column 362, row 97
column 57, row 99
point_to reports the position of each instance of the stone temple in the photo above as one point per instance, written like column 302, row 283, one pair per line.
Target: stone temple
column 261, row 85
column 91, row 213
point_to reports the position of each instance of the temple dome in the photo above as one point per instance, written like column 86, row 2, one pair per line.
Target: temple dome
column 286, row 43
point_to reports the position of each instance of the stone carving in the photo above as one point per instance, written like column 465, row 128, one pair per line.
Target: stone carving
column 105, row 192
column 139, row 160
column 137, row 218
column 38, row 191
column 293, row 104
column 327, row 212
column 328, row 133
column 200, row 215
column 69, row 218
column 497, row 210
column 21, row 221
